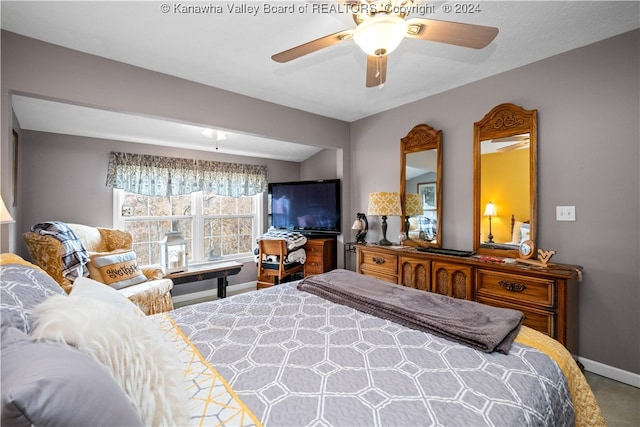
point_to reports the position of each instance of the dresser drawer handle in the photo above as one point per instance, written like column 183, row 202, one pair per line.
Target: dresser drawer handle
column 378, row 260
column 511, row 286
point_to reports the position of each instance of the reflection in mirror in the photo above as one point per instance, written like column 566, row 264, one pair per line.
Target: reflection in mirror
column 420, row 185
column 505, row 196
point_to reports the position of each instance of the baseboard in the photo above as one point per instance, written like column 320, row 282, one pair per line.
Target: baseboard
column 240, row 287
column 611, row 372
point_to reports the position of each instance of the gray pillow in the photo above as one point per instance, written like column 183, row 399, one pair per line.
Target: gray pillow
column 22, row 288
column 47, row 384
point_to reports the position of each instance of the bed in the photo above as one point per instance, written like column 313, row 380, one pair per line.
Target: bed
column 285, row 356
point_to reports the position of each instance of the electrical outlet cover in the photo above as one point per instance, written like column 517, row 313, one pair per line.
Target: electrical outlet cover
column 565, row 213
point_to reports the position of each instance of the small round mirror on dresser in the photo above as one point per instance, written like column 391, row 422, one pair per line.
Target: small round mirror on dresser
column 505, row 181
column 421, row 186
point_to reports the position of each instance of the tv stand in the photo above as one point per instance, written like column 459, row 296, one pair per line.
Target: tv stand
column 321, row 254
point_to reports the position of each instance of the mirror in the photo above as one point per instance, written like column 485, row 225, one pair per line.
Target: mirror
column 505, row 177
column 421, row 185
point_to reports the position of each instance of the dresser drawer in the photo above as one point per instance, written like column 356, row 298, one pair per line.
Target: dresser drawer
column 314, row 266
column 314, row 250
column 379, row 275
column 541, row 320
column 321, row 255
column 516, row 288
column 380, row 262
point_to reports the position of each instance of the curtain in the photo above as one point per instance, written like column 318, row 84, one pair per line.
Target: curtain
column 170, row 176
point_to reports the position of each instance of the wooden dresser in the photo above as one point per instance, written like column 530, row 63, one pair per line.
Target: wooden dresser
column 548, row 296
column 321, row 255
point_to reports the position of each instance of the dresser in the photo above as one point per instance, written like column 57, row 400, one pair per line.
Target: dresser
column 548, row 296
column 321, row 255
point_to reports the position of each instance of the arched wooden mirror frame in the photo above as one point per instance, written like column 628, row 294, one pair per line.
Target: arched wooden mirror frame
column 503, row 121
column 420, row 139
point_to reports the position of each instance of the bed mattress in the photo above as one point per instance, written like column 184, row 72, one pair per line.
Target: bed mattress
column 295, row 359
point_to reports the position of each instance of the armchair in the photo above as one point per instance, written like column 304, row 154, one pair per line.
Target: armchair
column 152, row 296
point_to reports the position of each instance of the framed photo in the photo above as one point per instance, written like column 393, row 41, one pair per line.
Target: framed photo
column 427, row 191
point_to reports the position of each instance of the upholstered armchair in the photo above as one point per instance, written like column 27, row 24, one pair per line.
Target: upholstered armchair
column 152, row 294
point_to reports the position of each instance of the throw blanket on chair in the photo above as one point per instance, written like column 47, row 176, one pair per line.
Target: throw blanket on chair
column 74, row 257
column 476, row 325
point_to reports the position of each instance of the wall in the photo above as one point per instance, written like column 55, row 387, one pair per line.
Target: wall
column 588, row 154
column 588, row 133
column 66, row 181
column 328, row 164
column 41, row 69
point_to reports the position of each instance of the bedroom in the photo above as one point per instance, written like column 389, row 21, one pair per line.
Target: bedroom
column 588, row 117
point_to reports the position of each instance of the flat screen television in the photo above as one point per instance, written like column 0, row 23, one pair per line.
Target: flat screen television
column 309, row 207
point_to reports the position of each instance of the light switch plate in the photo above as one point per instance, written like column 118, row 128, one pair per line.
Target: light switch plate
column 565, row 213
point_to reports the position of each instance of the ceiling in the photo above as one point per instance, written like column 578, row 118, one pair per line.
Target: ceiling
column 231, row 50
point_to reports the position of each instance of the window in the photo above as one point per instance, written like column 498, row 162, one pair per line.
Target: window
column 214, row 226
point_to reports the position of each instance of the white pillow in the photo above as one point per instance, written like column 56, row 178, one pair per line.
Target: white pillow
column 131, row 348
column 89, row 288
column 515, row 235
column 525, row 232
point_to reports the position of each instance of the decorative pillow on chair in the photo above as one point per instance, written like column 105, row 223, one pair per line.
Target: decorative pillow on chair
column 117, row 269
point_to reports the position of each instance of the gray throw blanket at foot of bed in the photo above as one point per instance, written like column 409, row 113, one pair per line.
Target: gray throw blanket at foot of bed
column 479, row 326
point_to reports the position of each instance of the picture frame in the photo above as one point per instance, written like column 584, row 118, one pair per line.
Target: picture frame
column 427, row 191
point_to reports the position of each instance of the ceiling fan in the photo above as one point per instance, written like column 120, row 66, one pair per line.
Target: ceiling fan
column 514, row 142
column 381, row 26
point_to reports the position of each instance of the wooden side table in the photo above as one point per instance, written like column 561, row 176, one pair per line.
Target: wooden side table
column 199, row 272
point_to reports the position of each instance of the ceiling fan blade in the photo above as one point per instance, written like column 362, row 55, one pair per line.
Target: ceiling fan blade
column 455, row 33
column 312, row 46
column 376, row 70
column 512, row 147
column 514, row 138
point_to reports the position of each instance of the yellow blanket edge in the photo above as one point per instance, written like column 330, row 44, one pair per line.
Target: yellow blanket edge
column 8, row 258
column 219, row 377
column 587, row 410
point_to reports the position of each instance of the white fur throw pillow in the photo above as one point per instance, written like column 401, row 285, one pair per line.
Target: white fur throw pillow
column 131, row 348
column 89, row 288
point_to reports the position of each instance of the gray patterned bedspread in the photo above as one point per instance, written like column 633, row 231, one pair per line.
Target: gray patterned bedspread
column 296, row 359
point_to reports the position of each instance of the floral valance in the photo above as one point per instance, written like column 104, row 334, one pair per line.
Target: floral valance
column 169, row 176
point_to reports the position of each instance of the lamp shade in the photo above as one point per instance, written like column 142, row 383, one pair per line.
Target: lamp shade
column 381, row 34
column 490, row 210
column 413, row 205
column 5, row 216
column 384, row 204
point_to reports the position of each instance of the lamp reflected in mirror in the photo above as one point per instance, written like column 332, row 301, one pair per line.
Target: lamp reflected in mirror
column 490, row 210
column 412, row 207
column 384, row 204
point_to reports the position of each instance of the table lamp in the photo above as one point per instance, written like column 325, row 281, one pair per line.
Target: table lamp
column 5, row 216
column 361, row 226
column 384, row 204
column 490, row 210
column 412, row 207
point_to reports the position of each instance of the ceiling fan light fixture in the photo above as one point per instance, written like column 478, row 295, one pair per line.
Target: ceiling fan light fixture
column 381, row 34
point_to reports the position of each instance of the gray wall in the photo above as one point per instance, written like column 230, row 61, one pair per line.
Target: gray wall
column 588, row 118
column 66, row 181
column 41, row 69
column 588, row 133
